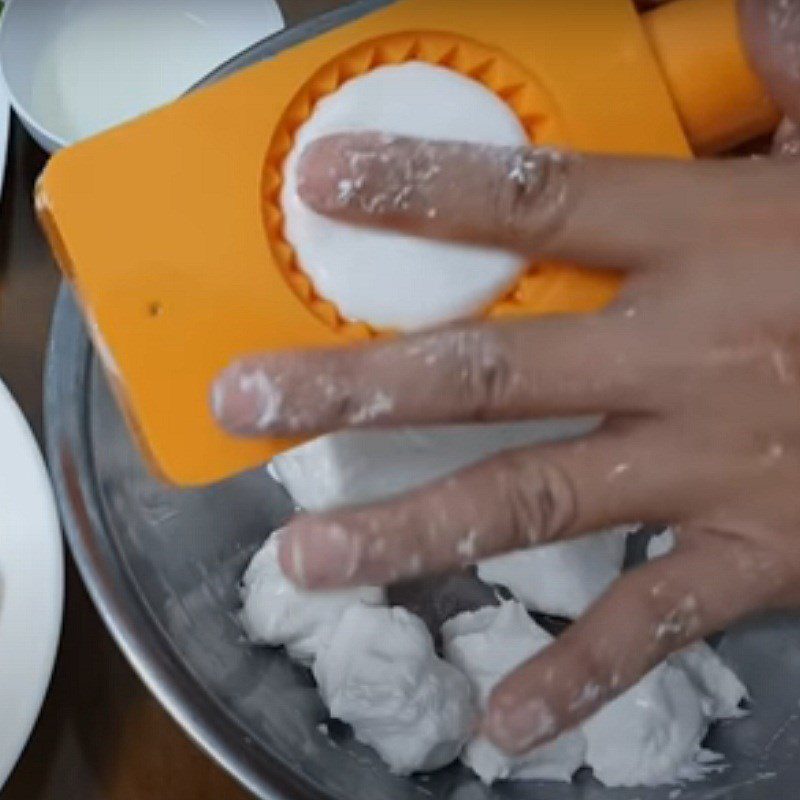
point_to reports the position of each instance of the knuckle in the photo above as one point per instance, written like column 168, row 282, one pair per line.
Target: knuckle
column 345, row 389
column 530, row 200
column 334, row 388
column 490, row 380
column 769, row 351
column 540, row 498
column 484, row 371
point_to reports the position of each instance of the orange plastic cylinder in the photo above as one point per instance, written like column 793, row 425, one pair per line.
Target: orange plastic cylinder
column 718, row 97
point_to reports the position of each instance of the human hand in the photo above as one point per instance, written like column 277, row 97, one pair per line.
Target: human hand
column 696, row 369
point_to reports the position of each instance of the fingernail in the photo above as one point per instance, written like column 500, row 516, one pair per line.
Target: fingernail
column 319, row 555
column 516, row 726
column 246, row 400
column 332, row 170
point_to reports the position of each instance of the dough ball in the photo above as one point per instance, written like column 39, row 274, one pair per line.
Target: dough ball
column 661, row 544
column 275, row 612
column 652, row 734
column 722, row 693
column 380, row 673
column 486, row 645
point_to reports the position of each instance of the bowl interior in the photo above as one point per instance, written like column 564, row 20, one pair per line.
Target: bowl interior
column 77, row 67
column 183, row 553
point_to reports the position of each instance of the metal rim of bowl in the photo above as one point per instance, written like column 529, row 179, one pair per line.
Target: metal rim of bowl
column 68, row 373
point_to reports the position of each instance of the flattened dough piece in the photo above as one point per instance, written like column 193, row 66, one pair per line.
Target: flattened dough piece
column 561, row 579
column 389, row 279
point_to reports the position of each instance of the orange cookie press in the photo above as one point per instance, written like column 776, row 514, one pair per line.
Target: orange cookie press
column 170, row 231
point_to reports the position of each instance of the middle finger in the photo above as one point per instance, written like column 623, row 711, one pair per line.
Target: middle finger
column 557, row 366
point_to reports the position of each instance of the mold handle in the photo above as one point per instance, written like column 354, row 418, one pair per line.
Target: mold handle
column 717, row 95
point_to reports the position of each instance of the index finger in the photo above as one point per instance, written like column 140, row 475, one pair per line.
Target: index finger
column 599, row 210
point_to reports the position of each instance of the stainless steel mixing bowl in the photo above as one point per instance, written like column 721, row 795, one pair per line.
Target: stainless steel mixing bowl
column 162, row 567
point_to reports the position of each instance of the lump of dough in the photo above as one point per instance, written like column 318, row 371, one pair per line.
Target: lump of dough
column 380, row 673
column 390, row 279
column 561, row 579
column 486, row 645
column 661, row 544
column 652, row 734
column 357, row 467
column 276, row 612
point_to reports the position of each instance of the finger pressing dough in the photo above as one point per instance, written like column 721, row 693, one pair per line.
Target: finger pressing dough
column 389, row 279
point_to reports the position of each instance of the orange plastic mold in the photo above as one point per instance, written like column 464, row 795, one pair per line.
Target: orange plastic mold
column 170, row 230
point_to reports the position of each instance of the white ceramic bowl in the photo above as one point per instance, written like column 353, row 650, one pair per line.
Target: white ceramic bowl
column 76, row 67
column 31, row 582
column 5, row 115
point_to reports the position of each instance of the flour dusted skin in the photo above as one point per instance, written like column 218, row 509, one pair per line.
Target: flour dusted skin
column 390, row 279
column 653, row 733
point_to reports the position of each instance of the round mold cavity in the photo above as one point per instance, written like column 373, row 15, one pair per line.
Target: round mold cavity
column 489, row 66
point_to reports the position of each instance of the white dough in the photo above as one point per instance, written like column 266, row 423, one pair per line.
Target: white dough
column 356, row 467
column 376, row 667
column 276, row 612
column 486, row 645
column 652, row 734
column 561, row 579
column 380, row 673
column 390, row 279
column 661, row 544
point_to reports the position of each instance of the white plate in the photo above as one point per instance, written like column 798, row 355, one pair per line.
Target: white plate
column 76, row 68
column 5, row 119
column 31, row 582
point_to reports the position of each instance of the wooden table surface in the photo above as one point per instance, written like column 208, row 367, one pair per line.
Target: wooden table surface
column 100, row 736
